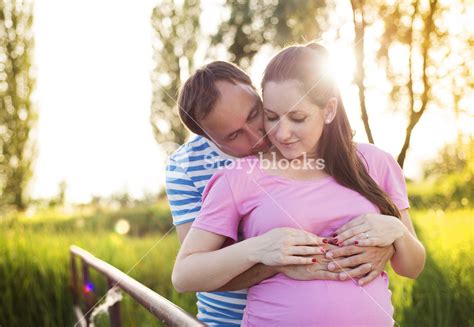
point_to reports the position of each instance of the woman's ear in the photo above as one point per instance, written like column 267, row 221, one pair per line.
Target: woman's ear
column 330, row 110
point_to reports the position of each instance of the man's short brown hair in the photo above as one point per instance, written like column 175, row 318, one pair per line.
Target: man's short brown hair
column 199, row 93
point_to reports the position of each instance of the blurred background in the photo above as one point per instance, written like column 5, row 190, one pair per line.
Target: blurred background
column 88, row 116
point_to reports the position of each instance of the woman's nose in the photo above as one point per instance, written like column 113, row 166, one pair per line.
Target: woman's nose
column 282, row 132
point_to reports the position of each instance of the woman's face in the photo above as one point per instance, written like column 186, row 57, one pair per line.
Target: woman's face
column 293, row 123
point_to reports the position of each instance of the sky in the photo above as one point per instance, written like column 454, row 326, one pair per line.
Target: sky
column 93, row 64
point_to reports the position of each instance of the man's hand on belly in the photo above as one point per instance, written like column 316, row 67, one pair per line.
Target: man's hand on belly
column 362, row 263
column 317, row 270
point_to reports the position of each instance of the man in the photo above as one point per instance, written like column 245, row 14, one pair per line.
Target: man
column 221, row 106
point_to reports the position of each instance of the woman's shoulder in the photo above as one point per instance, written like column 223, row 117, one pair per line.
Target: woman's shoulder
column 370, row 149
column 376, row 160
column 372, row 153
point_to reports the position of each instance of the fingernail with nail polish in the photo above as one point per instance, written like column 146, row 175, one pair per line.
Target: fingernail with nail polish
column 325, row 241
column 356, row 242
column 334, row 235
column 314, row 260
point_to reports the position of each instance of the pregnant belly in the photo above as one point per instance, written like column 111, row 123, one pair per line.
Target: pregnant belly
column 280, row 301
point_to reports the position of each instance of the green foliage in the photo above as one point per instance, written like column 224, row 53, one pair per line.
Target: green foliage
column 443, row 295
column 176, row 35
column 452, row 159
column 17, row 113
column 142, row 221
column 449, row 179
column 254, row 23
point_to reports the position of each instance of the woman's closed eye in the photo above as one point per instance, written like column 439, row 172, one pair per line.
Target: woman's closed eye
column 298, row 120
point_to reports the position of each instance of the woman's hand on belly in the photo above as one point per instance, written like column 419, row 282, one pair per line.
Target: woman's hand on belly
column 317, row 270
column 286, row 246
column 370, row 230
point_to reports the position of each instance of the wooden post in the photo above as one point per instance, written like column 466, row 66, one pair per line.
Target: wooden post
column 114, row 310
column 86, row 290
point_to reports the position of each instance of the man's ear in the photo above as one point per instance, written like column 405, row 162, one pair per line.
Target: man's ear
column 330, row 110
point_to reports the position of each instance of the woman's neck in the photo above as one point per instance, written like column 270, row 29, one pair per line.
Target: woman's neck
column 304, row 167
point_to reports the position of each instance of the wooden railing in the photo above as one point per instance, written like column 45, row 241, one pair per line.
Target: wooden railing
column 160, row 307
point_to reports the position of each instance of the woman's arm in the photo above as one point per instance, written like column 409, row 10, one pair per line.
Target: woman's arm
column 410, row 255
column 203, row 265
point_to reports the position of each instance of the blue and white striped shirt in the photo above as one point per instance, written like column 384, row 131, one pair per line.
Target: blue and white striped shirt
column 187, row 173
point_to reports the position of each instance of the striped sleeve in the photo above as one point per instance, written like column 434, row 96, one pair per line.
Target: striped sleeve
column 183, row 196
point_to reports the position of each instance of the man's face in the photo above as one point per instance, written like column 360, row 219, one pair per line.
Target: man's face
column 235, row 123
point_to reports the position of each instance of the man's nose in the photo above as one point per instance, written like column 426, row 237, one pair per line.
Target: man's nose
column 254, row 133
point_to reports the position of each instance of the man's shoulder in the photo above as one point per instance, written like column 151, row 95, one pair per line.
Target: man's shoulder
column 195, row 145
column 197, row 158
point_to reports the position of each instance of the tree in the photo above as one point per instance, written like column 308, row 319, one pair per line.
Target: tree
column 360, row 22
column 254, row 23
column 452, row 158
column 17, row 113
column 435, row 73
column 176, row 35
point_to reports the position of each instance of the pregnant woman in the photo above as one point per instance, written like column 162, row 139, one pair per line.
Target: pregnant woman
column 316, row 179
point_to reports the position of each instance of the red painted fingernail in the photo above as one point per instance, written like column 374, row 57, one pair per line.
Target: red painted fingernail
column 335, row 240
column 325, row 241
column 314, row 260
column 334, row 235
column 356, row 242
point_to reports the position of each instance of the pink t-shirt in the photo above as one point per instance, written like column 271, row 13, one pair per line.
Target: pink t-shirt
column 247, row 196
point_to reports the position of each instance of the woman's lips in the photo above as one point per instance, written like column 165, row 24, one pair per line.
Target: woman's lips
column 288, row 144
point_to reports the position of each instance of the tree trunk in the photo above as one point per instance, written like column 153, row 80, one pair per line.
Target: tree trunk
column 359, row 28
column 414, row 114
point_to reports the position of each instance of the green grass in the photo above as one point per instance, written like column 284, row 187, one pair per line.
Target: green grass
column 34, row 269
column 443, row 295
column 34, row 274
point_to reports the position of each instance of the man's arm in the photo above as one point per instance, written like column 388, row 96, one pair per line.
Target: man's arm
column 249, row 278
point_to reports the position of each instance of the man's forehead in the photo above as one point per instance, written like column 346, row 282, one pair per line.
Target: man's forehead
column 234, row 88
column 231, row 110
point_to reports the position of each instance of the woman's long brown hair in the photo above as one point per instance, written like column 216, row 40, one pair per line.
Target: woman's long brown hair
column 308, row 64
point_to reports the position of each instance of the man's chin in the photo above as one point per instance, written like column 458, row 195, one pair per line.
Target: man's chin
column 262, row 149
column 265, row 147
